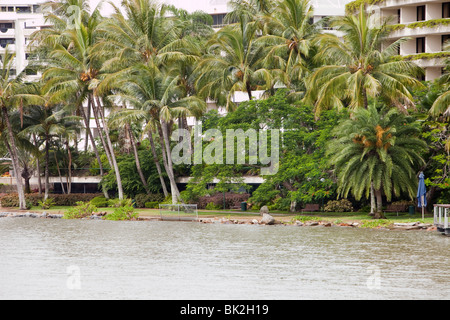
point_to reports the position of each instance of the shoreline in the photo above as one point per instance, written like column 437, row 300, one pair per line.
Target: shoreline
column 254, row 219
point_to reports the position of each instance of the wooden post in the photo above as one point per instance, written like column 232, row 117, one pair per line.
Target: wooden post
column 423, row 209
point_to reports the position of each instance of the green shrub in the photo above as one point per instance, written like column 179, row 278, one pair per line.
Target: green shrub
column 100, row 202
column 342, row 205
column 47, row 204
column 81, row 210
column 125, row 212
column 12, row 199
column 212, row 206
column 152, row 205
column 142, row 199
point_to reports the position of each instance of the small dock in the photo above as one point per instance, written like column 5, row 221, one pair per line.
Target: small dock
column 441, row 218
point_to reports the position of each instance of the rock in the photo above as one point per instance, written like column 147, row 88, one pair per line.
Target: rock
column 326, row 224
column 299, row 223
column 311, row 223
column 264, row 210
column 267, row 219
column 254, row 221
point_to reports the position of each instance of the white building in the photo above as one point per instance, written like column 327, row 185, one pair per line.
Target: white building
column 426, row 23
column 18, row 20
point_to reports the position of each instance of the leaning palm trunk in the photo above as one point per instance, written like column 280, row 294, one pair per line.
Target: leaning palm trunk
column 158, row 166
column 91, row 137
column 69, row 178
column 167, row 159
column 46, row 172
column 109, row 145
column 11, row 146
column 138, row 163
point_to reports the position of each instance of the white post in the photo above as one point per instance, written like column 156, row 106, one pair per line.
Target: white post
column 423, row 206
column 446, row 219
column 435, row 211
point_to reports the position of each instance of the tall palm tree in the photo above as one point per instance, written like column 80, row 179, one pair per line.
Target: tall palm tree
column 13, row 95
column 159, row 98
column 73, row 75
column 358, row 67
column 289, row 41
column 442, row 104
column 233, row 63
column 377, row 152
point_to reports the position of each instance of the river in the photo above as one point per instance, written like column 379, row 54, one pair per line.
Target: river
column 88, row 259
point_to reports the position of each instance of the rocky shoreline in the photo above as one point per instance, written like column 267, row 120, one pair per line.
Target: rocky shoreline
column 265, row 219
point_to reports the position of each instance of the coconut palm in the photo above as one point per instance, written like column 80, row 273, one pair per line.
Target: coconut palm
column 290, row 41
column 158, row 98
column 377, row 152
column 233, row 63
column 13, row 95
column 73, row 75
column 358, row 68
column 442, row 104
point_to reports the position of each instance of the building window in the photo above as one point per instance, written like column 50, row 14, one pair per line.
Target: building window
column 421, row 13
column 5, row 26
column 5, row 42
column 218, row 20
column 23, row 9
column 446, row 10
column 445, row 40
column 399, row 16
column 420, row 45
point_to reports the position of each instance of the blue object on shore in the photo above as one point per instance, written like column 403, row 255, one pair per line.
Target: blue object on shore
column 421, row 191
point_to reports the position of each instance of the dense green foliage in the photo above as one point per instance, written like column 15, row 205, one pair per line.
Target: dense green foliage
column 149, row 68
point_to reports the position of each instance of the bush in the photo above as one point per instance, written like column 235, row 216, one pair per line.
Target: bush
column 125, row 211
column 231, row 200
column 100, row 202
column 212, row 206
column 152, row 205
column 47, row 204
column 81, row 210
column 342, row 205
column 143, row 198
column 12, row 199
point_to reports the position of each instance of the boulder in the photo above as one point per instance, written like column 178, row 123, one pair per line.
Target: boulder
column 267, row 219
column 263, row 210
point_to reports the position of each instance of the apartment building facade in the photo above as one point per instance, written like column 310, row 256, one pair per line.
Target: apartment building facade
column 427, row 25
column 18, row 20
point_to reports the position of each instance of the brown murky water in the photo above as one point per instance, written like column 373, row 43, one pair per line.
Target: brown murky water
column 85, row 259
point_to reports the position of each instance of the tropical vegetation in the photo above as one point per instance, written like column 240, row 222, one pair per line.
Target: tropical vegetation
column 355, row 122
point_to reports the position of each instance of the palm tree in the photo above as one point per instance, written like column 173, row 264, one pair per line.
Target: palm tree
column 378, row 153
column 289, row 41
column 358, row 68
column 158, row 98
column 233, row 63
column 13, row 95
column 73, row 75
column 442, row 104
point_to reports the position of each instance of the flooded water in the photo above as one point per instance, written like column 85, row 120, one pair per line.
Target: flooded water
column 86, row 259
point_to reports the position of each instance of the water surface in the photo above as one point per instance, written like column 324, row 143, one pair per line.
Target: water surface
column 86, row 259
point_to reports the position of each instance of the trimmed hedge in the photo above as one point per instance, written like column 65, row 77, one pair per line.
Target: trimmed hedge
column 12, row 200
column 143, row 198
column 231, row 200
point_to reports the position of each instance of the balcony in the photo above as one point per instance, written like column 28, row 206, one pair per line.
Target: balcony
column 420, row 29
column 7, row 33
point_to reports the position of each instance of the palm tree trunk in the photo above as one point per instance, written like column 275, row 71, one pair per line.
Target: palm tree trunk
column 372, row 200
column 158, row 166
column 113, row 156
column 91, row 137
column 47, row 160
column 138, row 163
column 69, row 181
column 379, row 212
column 11, row 146
column 59, row 173
column 38, row 166
column 167, row 157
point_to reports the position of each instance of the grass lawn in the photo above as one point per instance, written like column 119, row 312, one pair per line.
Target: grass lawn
column 333, row 217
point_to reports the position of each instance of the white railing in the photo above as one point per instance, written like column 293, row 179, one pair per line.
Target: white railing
column 179, row 212
column 441, row 215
